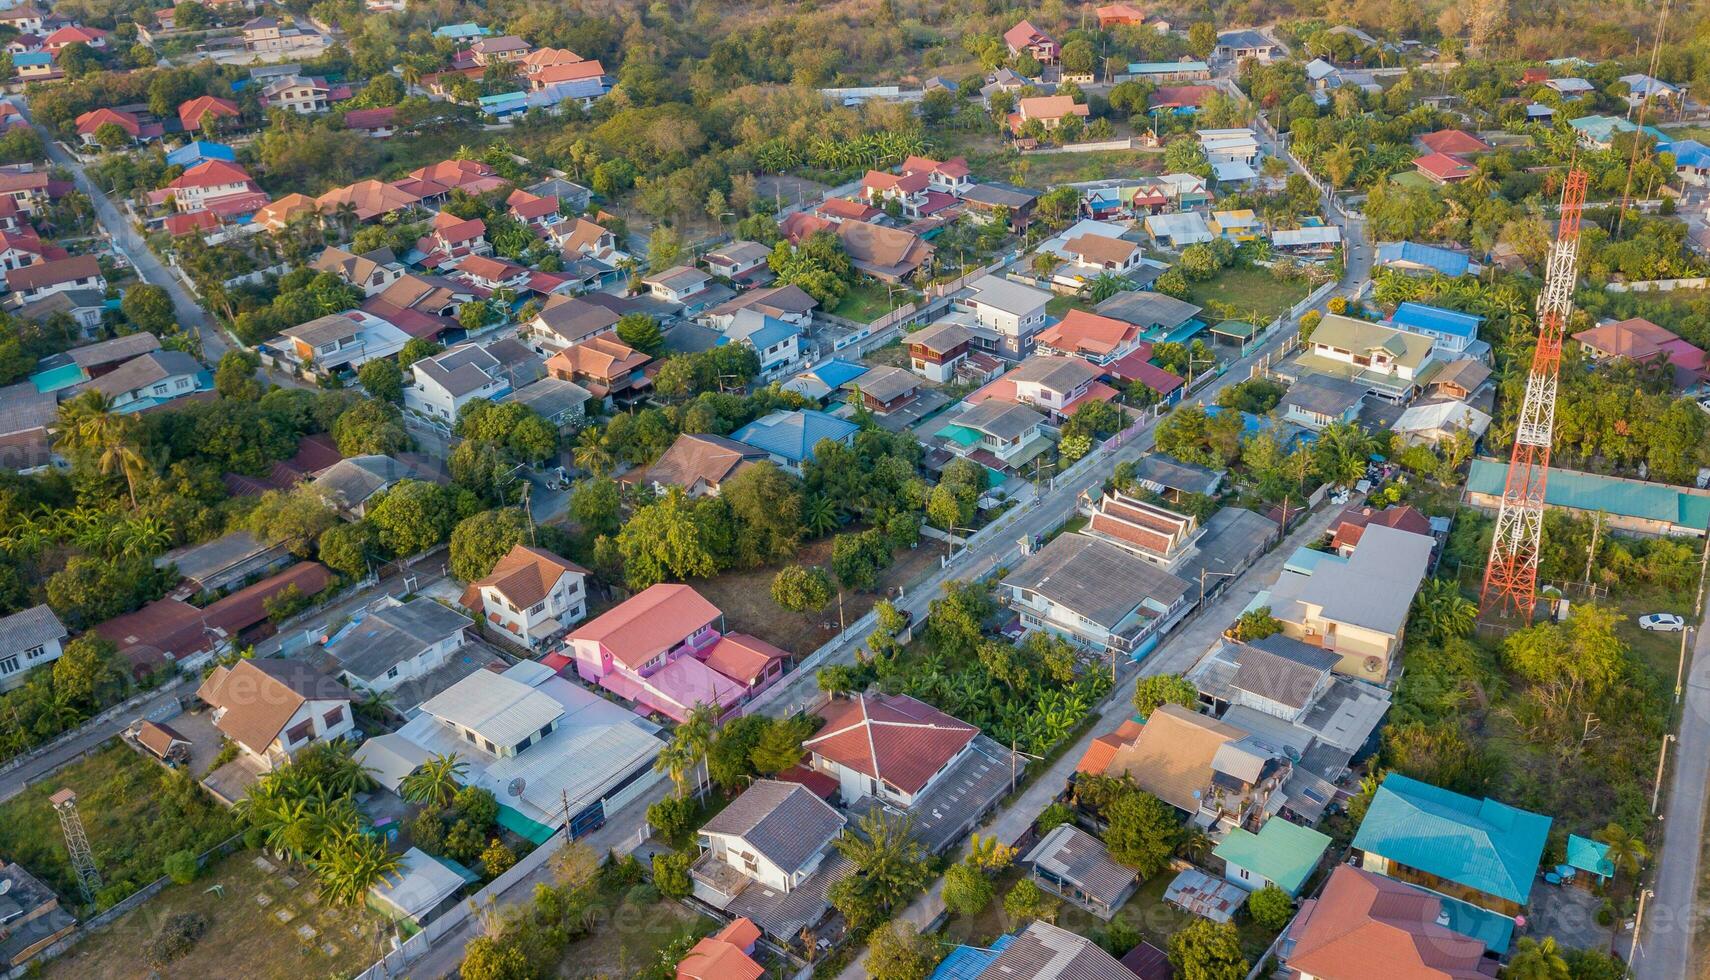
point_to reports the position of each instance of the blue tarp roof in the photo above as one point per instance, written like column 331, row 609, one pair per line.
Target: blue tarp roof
column 836, row 372
column 199, row 150
column 466, row 29
column 1449, row 263
column 1425, row 318
column 793, row 435
column 968, row 962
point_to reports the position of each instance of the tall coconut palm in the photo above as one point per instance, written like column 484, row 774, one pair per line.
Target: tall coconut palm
column 435, row 781
column 591, row 453
column 1536, row 959
column 353, row 865
column 89, row 425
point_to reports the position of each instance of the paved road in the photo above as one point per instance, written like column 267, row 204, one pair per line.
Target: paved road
column 1665, row 950
column 1175, row 655
column 84, row 739
column 125, row 238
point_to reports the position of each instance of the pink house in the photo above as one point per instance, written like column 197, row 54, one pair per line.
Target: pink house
column 651, row 650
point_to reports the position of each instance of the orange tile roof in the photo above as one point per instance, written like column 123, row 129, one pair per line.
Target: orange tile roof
column 1087, row 333
column 743, row 658
column 193, row 113
column 1364, row 925
column 601, row 358
column 523, row 576
column 893, row 738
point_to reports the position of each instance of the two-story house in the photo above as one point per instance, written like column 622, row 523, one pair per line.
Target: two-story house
column 908, row 190
column 742, row 261
column 453, row 238
column 1391, row 364
column 776, row 834
column 1454, row 334
column 1096, row 595
column 647, row 650
column 272, row 709
column 151, row 379
column 678, row 284
column 778, row 342
column 444, row 383
column 1016, row 312
column 338, row 341
column 951, row 176
column 531, row 594
column 565, row 321
column 393, row 643
column 532, row 209
column 370, row 272
column 207, row 182
column 28, row 639
column 42, row 279
column 1024, row 38
column 305, row 95
column 505, row 47
column 1056, row 385
column 607, row 367
column 934, row 351
column 997, row 434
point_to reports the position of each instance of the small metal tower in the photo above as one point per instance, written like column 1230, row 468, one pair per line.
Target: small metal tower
column 77, row 843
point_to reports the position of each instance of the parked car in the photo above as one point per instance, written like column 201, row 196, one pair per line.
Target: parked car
column 1663, row 622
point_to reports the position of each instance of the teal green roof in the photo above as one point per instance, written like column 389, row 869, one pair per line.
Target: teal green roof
column 1589, row 855
column 959, row 434
column 513, row 821
column 1493, row 929
column 1482, row 844
column 1282, row 853
column 1591, row 492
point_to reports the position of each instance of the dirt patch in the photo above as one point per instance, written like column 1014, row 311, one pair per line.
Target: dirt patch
column 785, row 189
column 746, row 598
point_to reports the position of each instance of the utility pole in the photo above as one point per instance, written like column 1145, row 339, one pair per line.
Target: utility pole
column 1638, row 921
column 1697, row 611
column 565, row 795
column 1662, row 757
column 1591, row 552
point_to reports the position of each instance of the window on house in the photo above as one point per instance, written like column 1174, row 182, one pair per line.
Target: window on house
column 334, row 718
column 488, row 745
column 32, row 653
column 469, row 736
column 9, row 665
column 537, row 607
column 300, row 733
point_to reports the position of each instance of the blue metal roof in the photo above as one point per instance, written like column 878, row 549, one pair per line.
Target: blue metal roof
column 1428, row 319
column 466, row 29
column 773, row 331
column 32, row 58
column 1482, row 844
column 793, row 435
column 199, row 150
column 836, row 372
column 1690, row 153
column 969, row 962
column 1449, row 263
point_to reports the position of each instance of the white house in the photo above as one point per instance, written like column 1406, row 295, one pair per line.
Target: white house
column 28, row 640
column 1014, row 311
column 43, row 279
column 447, row 381
column 890, row 747
column 531, row 594
column 1096, row 595
column 394, row 642
column 677, row 284
column 272, row 709
column 778, row 342
column 775, row 834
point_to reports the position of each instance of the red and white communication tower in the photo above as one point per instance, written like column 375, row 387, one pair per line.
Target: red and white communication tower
column 1511, row 577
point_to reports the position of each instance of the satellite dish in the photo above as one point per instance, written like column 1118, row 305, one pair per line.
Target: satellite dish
column 516, row 786
column 5, row 885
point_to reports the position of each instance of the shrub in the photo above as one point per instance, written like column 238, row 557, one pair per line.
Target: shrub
column 175, row 938
column 641, row 896
column 1270, row 907
column 497, row 858
column 624, row 871
column 671, row 874
column 427, row 831
column 181, row 867
column 673, row 816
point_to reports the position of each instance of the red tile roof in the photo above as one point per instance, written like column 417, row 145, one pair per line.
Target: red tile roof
column 649, row 623
column 893, row 738
column 380, row 118
column 1453, row 142
column 1443, row 167
column 523, row 576
column 1355, row 518
column 192, row 113
column 184, row 224
column 743, row 658
column 94, row 119
column 247, row 607
column 1184, row 96
column 1081, row 332
column 211, row 173
column 1364, row 924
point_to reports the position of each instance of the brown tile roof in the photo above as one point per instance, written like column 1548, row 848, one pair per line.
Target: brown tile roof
column 283, row 211
column 574, row 319
column 1050, row 107
column 700, row 458
column 600, row 358
column 1087, row 333
column 371, row 197
column 1453, row 142
column 247, row 607
column 883, row 251
column 52, row 272
column 894, row 738
column 1101, row 249
column 743, row 658
column 1103, row 749
column 1365, row 925
column 158, row 738
column 649, row 623
column 723, row 956
column 1635, row 339
column 260, row 696
column 1171, row 758
column 1355, row 518
column 523, row 576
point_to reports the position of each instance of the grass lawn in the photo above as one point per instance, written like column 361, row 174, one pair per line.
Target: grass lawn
column 867, row 301
column 1247, row 290
column 629, row 937
column 245, row 938
column 135, row 813
column 1059, row 306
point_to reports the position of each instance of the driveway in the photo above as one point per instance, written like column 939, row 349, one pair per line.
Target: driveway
column 125, row 238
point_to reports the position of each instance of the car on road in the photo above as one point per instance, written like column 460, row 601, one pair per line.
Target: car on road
column 1663, row 622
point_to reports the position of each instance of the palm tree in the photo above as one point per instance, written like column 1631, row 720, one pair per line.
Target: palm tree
column 1105, row 285
column 1194, row 846
column 1536, row 959
column 890, row 864
column 353, row 865
column 412, row 76
column 88, row 424
column 591, row 453
column 819, row 515
column 435, row 781
column 1443, row 611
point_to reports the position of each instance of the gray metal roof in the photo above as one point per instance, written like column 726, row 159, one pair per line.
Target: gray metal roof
column 784, row 821
column 1046, row 952
column 1147, row 309
column 550, row 397
column 392, row 634
column 350, row 482
column 23, row 408
column 1281, row 669
column 460, row 370
column 1175, row 474
column 201, row 561
column 1097, row 580
column 1322, row 395
column 34, row 627
column 1077, row 857
column 1000, row 419
column 142, row 371
column 1010, row 297
column 1373, row 589
column 1057, row 373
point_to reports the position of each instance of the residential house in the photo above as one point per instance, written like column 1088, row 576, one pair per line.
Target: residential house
column 89, row 125
column 1389, row 363
column 1102, row 340
column 149, row 380
column 951, row 176
column 1145, row 530
column 1183, row 100
column 1096, row 595
column 1642, row 342
column 1178, row 229
column 789, row 437
column 1238, row 45
column 440, row 179
column 1236, row 226
column 1016, row 312
column 29, row 639
column 1098, row 254
column 1283, row 854
column 505, row 47
column 890, row 747
column 725, row 955
column 532, row 594
column 935, row 351
column 1075, row 865
column 1644, row 88
column 25, row 415
column 1427, row 260
column 26, row 189
column 1453, row 333
column 1172, row 478
column 907, row 190
column 223, row 564
column 391, row 644
column 1214, row 772
column 1440, row 168
column 1119, row 15
column 421, row 306
column 1001, row 436
column 1047, row 110
column 442, row 384
column 778, row 342
column 1012, row 205
column 306, row 95
column 1056, row 385
column 1310, row 242
column 1363, row 922
column 1599, row 132
column 1357, row 607
column 1478, row 851
column 1435, row 423
column 565, row 321
column 366, row 200
column 787, row 303
column 372, row 272
column 1039, row 952
column 1024, row 38
column 775, row 834
column 379, row 123
column 743, row 261
column 678, row 284
column 351, row 484
column 35, row 921
column 1452, row 142
column 1348, row 527
column 1158, row 72
column 649, row 650
column 452, row 238
column 885, row 389
column 272, row 709
column 206, row 113
column 699, row 463
column 489, row 275
column 887, row 254
column 1317, row 401
column 210, row 181
column 36, row 66
column 62, row 37
column 603, row 365
column 336, row 342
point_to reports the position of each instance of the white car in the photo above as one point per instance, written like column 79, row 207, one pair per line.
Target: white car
column 1663, row 622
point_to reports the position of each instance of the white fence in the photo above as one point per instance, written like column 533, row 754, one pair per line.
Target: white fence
column 1658, row 285
column 1099, row 147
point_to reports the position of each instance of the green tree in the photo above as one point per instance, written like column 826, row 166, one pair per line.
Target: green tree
column 149, row 309
column 1537, row 959
column 896, row 951
column 90, row 428
column 1202, row 40
column 671, row 874
column 801, row 589
column 1442, row 612
column 641, row 332
column 767, row 505
column 889, row 869
column 1027, row 901
column 1270, row 907
column 1255, row 625
column 480, row 540
column 497, row 858
column 435, row 781
column 412, row 517
column 665, row 249
column 495, row 958
column 87, row 671
column 1143, row 832
column 382, row 379
column 181, row 867
column 1208, row 950
column 295, row 518
column 967, row 891
column 596, row 505
column 370, row 428
column 779, row 747
column 347, row 548
column 234, row 378
column 858, row 558
column 415, row 349
column 665, row 539
column 1160, row 689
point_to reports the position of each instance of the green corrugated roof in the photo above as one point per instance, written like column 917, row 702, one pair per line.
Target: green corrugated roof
column 1591, row 492
column 513, row 821
column 1482, row 844
column 1282, row 852
column 1236, row 328
column 959, row 434
column 1589, row 855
